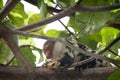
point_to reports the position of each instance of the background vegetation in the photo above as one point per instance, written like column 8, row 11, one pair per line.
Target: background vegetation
column 95, row 23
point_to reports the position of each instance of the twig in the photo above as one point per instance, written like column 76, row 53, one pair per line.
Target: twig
column 113, row 52
column 10, row 61
column 110, row 45
column 7, row 8
column 64, row 26
column 82, row 62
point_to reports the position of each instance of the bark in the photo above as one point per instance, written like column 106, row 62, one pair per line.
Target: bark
column 18, row 73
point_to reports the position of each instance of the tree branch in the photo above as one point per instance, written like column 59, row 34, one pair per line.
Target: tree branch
column 73, row 8
column 97, row 8
column 7, row 8
column 33, row 35
column 50, row 74
column 5, row 33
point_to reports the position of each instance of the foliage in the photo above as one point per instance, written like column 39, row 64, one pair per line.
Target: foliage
column 17, row 15
column 29, row 54
column 90, row 27
column 5, row 52
column 115, row 75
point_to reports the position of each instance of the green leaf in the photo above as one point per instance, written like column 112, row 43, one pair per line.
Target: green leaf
column 43, row 10
column 65, row 3
column 15, row 62
column 52, row 33
column 96, row 37
column 87, row 40
column 39, row 3
column 5, row 52
column 115, row 75
column 55, row 33
column 19, row 10
column 34, row 18
column 27, row 51
column 72, row 23
column 28, row 54
column 50, row 2
column 86, row 22
column 95, row 2
column 63, row 33
column 26, row 41
column 40, row 52
column 1, row 4
column 16, row 20
column 115, row 48
column 108, row 34
column 18, row 15
column 11, row 26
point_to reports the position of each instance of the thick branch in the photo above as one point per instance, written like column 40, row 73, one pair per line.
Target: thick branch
column 49, row 74
column 7, row 8
column 5, row 33
column 15, row 32
column 97, row 8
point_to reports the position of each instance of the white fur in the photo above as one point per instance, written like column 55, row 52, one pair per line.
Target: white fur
column 60, row 50
column 57, row 50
